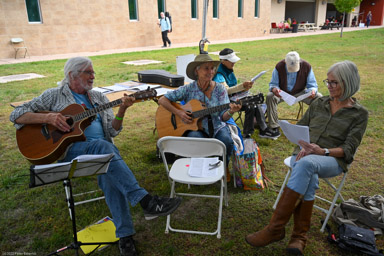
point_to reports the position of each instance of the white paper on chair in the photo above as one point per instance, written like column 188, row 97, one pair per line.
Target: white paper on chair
column 200, row 167
column 294, row 132
column 290, row 100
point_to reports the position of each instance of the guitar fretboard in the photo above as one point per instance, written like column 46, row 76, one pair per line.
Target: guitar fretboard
column 256, row 99
column 93, row 111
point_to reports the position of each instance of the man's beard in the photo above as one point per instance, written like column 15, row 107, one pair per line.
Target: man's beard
column 86, row 86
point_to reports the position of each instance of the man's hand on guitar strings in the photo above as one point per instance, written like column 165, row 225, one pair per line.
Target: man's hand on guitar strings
column 59, row 121
column 127, row 101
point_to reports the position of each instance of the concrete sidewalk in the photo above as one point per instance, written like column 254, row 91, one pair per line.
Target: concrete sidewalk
column 151, row 48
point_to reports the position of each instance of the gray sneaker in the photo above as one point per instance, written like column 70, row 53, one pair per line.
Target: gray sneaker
column 270, row 133
column 161, row 206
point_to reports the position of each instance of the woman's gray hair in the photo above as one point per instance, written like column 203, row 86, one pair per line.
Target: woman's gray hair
column 346, row 73
column 73, row 66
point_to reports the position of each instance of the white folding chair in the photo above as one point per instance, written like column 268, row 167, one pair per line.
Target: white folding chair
column 189, row 148
column 328, row 212
column 19, row 44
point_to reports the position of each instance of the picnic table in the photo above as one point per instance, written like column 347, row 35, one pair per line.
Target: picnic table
column 331, row 25
column 307, row 27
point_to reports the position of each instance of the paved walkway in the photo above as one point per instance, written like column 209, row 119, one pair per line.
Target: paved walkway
column 150, row 48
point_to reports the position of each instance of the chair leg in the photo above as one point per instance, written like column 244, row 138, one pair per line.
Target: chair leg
column 168, row 224
column 337, row 195
column 282, row 188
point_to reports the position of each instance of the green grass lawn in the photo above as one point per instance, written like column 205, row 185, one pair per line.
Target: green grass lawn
column 37, row 221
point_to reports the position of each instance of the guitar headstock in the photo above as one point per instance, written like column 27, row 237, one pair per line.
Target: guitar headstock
column 147, row 94
column 252, row 100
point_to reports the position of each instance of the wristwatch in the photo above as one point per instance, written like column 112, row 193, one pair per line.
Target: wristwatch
column 326, row 152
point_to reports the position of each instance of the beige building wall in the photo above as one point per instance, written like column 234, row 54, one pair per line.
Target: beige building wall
column 277, row 11
column 93, row 25
column 321, row 12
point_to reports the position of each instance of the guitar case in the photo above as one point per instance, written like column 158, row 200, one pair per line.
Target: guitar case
column 158, row 76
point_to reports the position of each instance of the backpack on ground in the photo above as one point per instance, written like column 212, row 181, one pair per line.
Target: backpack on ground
column 355, row 240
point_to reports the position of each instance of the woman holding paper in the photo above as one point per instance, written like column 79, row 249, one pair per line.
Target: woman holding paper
column 336, row 124
column 226, row 76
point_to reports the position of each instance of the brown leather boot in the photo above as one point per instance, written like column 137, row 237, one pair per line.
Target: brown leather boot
column 275, row 230
column 302, row 223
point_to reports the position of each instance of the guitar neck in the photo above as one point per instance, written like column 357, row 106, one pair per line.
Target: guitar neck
column 256, row 99
column 208, row 111
column 93, row 111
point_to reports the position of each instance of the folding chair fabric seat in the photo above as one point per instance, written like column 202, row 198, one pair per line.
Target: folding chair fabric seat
column 337, row 195
column 188, row 148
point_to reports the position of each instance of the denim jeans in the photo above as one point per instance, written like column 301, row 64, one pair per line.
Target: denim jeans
column 119, row 185
column 224, row 135
column 307, row 171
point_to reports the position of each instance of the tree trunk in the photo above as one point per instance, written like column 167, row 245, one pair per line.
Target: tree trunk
column 342, row 25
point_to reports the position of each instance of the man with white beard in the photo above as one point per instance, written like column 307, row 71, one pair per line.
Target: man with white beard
column 119, row 184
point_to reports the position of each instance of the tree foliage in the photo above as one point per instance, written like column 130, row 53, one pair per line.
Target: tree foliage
column 346, row 6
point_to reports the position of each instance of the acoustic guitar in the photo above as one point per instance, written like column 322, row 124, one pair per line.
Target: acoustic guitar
column 168, row 124
column 44, row 143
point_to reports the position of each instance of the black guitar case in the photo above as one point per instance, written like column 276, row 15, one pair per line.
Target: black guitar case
column 158, row 76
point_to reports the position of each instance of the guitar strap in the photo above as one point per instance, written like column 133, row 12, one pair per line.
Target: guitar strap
column 210, row 126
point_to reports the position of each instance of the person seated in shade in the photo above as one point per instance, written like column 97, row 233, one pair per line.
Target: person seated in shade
column 208, row 92
column 293, row 76
column 337, row 124
column 226, row 76
column 119, row 184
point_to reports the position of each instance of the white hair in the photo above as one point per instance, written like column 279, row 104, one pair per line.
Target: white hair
column 347, row 74
column 73, row 66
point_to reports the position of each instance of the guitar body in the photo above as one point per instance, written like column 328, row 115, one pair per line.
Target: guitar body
column 44, row 144
column 168, row 124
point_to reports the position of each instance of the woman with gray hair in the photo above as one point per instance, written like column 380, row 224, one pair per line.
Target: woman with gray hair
column 336, row 124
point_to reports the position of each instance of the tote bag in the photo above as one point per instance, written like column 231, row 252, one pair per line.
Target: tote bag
column 247, row 167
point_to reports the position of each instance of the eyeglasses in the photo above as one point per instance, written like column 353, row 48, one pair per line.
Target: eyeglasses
column 90, row 73
column 331, row 84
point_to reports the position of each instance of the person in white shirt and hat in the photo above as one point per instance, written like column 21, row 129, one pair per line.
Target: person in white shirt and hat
column 226, row 76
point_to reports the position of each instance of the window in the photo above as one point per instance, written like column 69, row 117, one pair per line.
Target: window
column 216, row 9
column 240, row 9
column 194, row 9
column 160, row 7
column 33, row 10
column 256, row 8
column 132, row 6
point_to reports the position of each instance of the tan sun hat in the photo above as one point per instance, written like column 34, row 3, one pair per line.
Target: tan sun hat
column 292, row 60
column 200, row 59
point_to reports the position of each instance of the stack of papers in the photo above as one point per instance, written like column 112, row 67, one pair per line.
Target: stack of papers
column 203, row 167
column 294, row 132
column 258, row 76
column 290, row 100
column 102, row 231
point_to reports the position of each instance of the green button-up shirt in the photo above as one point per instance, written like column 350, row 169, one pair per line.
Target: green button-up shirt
column 344, row 129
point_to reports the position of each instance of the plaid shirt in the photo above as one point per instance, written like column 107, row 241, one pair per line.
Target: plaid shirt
column 56, row 99
column 344, row 129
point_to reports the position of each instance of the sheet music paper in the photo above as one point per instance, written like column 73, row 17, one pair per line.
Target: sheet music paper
column 258, row 76
column 87, row 165
column 199, row 167
column 294, row 132
column 290, row 100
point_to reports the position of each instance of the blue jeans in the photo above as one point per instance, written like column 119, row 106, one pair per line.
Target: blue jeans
column 119, row 185
column 224, row 135
column 307, row 171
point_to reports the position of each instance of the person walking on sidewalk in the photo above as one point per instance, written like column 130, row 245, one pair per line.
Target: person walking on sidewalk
column 369, row 18
column 165, row 27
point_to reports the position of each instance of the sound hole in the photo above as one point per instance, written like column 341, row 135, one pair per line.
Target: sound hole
column 70, row 121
